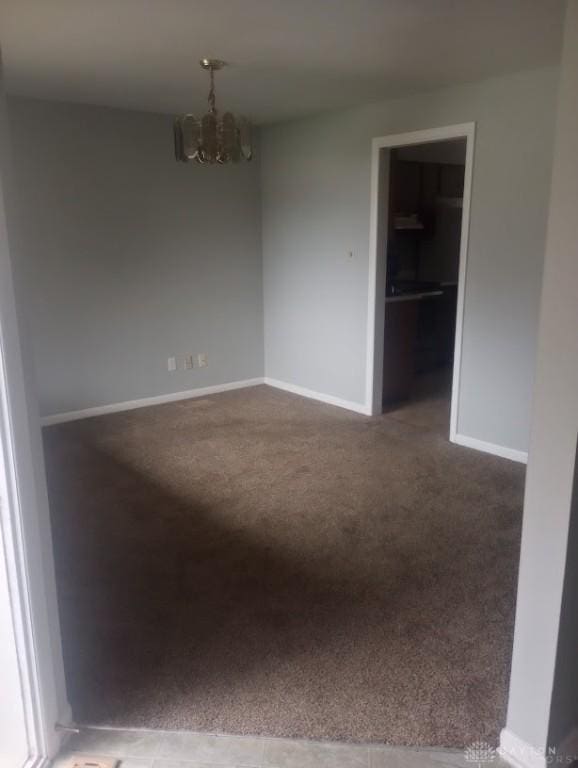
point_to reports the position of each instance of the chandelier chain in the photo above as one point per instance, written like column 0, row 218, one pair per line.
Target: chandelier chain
column 212, row 107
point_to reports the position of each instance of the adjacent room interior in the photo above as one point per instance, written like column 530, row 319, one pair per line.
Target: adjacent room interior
column 424, row 227
column 243, row 543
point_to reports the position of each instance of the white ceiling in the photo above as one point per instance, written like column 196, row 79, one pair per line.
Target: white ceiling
column 288, row 57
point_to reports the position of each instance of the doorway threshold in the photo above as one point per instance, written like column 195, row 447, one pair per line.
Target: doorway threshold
column 143, row 748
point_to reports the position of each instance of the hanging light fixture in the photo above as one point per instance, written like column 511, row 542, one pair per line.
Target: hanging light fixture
column 212, row 139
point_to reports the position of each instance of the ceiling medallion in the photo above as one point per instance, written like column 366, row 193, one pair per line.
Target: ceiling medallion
column 213, row 138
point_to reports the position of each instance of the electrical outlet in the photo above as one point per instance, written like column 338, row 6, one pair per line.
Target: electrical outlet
column 188, row 362
column 172, row 364
column 202, row 360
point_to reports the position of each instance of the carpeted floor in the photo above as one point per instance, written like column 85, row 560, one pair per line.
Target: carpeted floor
column 429, row 402
column 258, row 563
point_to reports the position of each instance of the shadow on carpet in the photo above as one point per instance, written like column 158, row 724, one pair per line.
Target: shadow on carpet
column 257, row 563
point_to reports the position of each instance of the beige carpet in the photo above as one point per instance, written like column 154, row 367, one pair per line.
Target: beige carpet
column 258, row 563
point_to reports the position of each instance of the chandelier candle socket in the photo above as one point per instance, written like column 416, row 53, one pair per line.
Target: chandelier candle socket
column 213, row 138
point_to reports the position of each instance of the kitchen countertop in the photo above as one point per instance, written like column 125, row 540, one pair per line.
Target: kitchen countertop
column 411, row 296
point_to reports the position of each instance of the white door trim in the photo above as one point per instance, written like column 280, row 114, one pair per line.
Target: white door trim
column 376, row 299
column 23, row 518
column 18, row 582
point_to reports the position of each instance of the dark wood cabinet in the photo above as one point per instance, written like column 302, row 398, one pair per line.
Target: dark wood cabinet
column 400, row 333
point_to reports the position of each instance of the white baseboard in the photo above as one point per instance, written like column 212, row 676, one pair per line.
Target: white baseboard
column 37, row 762
column 63, row 733
column 349, row 405
column 496, row 450
column 521, row 754
column 129, row 405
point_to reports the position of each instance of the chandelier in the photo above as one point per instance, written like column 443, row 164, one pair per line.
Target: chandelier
column 213, row 138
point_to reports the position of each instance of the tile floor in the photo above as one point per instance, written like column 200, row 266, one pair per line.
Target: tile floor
column 185, row 749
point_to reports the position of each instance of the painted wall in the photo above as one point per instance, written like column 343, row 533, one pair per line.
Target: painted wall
column 126, row 257
column 545, row 554
column 315, row 193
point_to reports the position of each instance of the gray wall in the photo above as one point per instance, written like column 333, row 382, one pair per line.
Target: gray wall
column 315, row 189
column 545, row 553
column 126, row 257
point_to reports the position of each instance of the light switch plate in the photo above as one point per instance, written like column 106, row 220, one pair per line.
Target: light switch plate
column 202, row 360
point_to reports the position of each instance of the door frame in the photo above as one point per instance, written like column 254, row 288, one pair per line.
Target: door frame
column 378, row 258
column 26, row 554
column 14, row 559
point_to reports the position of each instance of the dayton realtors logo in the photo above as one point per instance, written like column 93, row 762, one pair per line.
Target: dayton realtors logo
column 480, row 752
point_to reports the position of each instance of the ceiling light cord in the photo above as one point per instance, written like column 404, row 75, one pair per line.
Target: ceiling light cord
column 211, row 99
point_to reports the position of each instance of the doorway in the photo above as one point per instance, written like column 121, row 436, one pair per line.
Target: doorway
column 421, row 187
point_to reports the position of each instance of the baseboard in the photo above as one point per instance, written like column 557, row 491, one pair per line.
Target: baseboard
column 129, row 405
column 37, row 762
column 521, row 754
column 496, row 450
column 64, row 729
column 349, row 405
